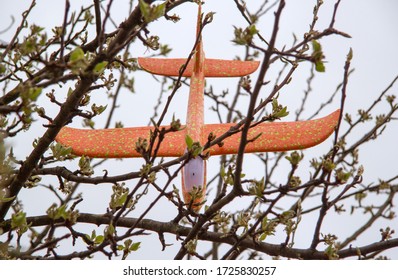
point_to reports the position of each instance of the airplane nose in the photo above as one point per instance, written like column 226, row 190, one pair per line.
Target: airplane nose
column 194, row 173
column 194, row 176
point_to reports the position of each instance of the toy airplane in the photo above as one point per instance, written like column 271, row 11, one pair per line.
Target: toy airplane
column 275, row 136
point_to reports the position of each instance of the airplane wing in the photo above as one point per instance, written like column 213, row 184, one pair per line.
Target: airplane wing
column 117, row 142
column 212, row 67
column 275, row 136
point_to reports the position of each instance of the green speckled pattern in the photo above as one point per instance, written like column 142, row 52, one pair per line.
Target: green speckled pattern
column 117, row 142
column 195, row 112
column 276, row 136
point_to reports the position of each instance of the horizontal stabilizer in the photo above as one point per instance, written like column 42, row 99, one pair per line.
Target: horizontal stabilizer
column 275, row 136
column 212, row 67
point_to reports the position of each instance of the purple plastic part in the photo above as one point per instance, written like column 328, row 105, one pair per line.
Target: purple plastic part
column 194, row 174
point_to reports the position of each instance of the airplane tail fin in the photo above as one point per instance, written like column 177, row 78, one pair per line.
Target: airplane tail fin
column 212, row 67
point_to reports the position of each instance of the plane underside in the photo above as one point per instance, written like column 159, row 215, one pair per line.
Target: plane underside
column 275, row 136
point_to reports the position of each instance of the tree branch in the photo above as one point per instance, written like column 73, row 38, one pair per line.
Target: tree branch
column 248, row 243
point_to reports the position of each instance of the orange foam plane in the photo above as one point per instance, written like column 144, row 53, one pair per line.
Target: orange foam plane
column 275, row 136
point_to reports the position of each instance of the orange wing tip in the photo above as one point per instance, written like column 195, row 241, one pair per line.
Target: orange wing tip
column 276, row 136
column 212, row 67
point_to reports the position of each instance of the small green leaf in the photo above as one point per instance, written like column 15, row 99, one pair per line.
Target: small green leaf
column 109, row 230
column 2, row 68
column 275, row 104
column 191, row 246
column 119, row 197
column 350, row 55
column 244, row 37
column 188, row 141
column 36, row 29
column 278, row 111
column 55, row 212
column 151, row 13
column 316, row 46
column 18, row 219
column 19, row 222
column 144, row 8
column 252, row 30
column 328, row 165
column 34, row 93
column 294, row 158
column 175, row 124
column 100, row 67
column 70, row 91
column 264, row 223
column 85, row 166
column 32, row 181
column 317, row 56
column 145, row 169
column 294, row 181
column 6, row 199
column 135, row 246
column 165, row 49
column 92, row 236
column 61, row 212
column 88, row 123
column 76, row 55
column 196, row 149
column 99, row 239
column 222, row 171
column 159, row 10
column 283, row 112
column 61, row 152
column 153, row 42
column 319, row 66
column 257, row 188
column 97, row 110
